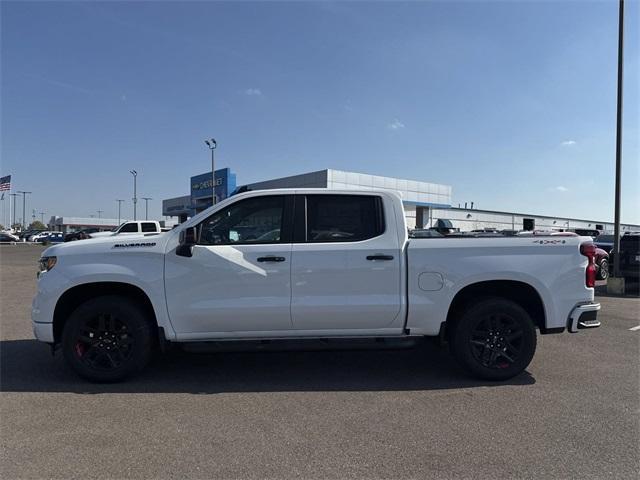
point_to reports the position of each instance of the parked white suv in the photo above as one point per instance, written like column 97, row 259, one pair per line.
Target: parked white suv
column 310, row 264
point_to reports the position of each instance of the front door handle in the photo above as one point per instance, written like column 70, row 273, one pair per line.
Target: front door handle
column 379, row 257
column 271, row 259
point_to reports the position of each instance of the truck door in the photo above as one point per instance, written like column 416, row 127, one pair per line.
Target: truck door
column 239, row 277
column 346, row 264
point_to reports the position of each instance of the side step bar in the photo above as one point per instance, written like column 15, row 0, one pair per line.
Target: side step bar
column 306, row 344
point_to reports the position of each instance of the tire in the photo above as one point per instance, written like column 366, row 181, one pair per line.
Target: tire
column 107, row 339
column 494, row 339
column 603, row 269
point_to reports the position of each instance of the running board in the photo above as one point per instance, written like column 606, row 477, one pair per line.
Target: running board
column 315, row 344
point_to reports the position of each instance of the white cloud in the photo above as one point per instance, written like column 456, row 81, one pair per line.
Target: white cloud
column 560, row 188
column 395, row 125
column 568, row 143
column 253, row 92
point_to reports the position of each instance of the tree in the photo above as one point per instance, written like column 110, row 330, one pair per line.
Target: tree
column 37, row 225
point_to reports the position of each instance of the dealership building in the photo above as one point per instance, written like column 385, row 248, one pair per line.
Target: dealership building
column 424, row 203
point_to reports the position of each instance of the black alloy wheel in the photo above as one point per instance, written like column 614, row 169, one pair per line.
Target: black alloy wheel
column 108, row 338
column 103, row 342
column 493, row 339
column 496, row 341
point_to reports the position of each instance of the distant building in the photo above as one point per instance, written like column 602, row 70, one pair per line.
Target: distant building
column 467, row 219
column 424, row 202
column 417, row 197
column 200, row 194
column 73, row 224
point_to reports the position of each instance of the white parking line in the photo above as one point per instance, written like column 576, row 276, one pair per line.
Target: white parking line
column 633, row 329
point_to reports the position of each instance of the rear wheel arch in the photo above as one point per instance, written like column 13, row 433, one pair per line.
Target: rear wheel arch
column 70, row 300
column 519, row 292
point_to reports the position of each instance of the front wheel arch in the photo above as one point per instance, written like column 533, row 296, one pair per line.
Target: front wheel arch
column 70, row 300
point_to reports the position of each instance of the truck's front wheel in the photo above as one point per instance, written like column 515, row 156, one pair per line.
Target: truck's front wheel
column 107, row 338
column 494, row 339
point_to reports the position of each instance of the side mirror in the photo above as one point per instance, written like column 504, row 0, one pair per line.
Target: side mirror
column 187, row 241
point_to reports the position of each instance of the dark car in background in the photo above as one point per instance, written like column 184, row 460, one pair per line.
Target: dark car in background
column 53, row 237
column 604, row 241
column 630, row 257
column 80, row 234
column 8, row 237
column 24, row 235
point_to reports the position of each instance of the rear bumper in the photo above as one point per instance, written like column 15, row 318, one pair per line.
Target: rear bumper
column 584, row 316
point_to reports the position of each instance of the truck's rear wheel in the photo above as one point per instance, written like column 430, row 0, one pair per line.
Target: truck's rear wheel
column 494, row 339
column 107, row 339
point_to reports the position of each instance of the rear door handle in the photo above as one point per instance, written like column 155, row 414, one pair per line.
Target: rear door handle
column 379, row 257
column 271, row 259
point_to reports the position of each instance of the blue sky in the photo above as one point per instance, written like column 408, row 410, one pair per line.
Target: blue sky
column 511, row 103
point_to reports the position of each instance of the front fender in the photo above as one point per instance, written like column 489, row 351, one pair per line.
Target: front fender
column 145, row 272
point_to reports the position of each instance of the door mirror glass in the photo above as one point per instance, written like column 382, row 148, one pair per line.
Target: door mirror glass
column 188, row 236
column 186, row 242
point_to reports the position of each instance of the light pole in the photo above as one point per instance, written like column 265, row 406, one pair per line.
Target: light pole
column 212, row 144
column 146, row 207
column 616, row 226
column 14, row 195
column 100, row 213
column 24, row 216
column 119, row 205
column 135, row 187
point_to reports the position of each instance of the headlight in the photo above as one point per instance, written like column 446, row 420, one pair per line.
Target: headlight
column 47, row 263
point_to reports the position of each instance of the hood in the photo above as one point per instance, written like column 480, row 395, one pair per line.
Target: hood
column 102, row 234
column 110, row 244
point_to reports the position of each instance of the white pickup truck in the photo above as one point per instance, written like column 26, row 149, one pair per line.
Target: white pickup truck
column 310, row 264
column 131, row 228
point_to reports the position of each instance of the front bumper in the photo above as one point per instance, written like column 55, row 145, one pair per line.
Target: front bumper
column 43, row 331
column 583, row 316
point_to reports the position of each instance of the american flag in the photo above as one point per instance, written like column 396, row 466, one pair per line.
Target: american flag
column 5, row 183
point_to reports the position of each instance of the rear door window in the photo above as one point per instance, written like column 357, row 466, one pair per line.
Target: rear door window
column 343, row 218
column 149, row 227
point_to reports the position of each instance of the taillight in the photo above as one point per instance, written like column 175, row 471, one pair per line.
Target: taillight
column 588, row 249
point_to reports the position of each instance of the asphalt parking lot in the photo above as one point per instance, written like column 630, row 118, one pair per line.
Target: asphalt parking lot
column 362, row 414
